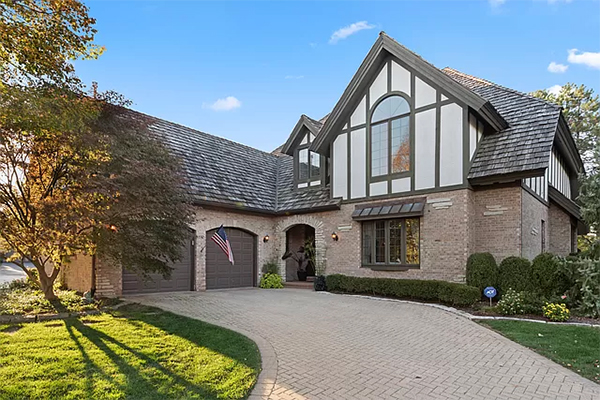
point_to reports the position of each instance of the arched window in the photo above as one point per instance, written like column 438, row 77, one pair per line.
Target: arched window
column 390, row 137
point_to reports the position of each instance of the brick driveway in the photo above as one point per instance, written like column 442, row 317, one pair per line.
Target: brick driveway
column 341, row 347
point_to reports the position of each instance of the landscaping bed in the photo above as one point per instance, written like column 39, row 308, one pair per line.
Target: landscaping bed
column 24, row 298
column 135, row 352
column 574, row 347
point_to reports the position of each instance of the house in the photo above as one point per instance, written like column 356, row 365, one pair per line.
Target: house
column 414, row 169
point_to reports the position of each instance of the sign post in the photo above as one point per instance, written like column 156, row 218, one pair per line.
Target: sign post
column 490, row 292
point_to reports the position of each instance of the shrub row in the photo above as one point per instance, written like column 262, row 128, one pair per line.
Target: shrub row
column 446, row 292
column 542, row 277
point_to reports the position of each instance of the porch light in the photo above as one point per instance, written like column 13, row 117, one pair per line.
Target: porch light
column 335, row 236
column 266, row 239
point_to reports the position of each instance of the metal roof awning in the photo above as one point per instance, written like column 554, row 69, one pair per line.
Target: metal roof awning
column 401, row 209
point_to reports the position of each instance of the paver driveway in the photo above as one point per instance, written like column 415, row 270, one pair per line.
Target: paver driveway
column 342, row 347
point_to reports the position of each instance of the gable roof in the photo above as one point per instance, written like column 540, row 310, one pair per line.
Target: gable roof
column 228, row 174
column 524, row 147
column 385, row 46
column 298, row 132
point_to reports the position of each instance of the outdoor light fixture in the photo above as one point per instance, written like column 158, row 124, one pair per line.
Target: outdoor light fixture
column 266, row 239
column 335, row 236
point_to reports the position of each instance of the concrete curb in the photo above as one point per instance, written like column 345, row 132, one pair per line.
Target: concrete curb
column 465, row 314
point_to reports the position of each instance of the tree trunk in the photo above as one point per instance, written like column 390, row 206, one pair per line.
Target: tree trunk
column 47, row 282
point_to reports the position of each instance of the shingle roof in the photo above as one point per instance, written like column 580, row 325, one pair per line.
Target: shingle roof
column 231, row 174
column 526, row 144
column 221, row 171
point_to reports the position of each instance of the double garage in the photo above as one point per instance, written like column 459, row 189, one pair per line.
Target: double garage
column 220, row 274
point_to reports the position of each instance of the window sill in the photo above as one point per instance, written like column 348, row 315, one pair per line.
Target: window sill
column 388, row 267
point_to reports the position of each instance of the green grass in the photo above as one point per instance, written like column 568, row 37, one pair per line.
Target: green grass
column 134, row 352
column 575, row 347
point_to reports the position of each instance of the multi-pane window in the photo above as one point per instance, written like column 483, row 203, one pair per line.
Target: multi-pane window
column 390, row 137
column 308, row 163
column 391, row 242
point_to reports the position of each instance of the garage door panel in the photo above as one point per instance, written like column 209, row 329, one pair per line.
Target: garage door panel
column 219, row 271
column 181, row 278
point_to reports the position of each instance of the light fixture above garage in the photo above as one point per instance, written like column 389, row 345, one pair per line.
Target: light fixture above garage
column 335, row 236
column 265, row 238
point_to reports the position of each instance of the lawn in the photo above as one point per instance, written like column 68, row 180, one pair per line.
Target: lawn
column 134, row 352
column 575, row 347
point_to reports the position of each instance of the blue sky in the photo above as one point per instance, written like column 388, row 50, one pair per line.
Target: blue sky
column 248, row 70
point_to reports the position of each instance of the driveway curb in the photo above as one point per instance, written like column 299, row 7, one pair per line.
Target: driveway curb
column 467, row 315
column 265, row 383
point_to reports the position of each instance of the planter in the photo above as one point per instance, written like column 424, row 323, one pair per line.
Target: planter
column 319, row 284
column 302, row 275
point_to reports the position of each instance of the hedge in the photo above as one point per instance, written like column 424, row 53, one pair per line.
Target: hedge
column 515, row 273
column 482, row 271
column 446, row 292
column 545, row 275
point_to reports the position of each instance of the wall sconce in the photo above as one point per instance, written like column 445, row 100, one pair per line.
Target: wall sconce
column 335, row 236
column 265, row 238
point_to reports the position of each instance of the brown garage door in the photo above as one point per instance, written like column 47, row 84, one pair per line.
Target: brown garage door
column 182, row 276
column 220, row 274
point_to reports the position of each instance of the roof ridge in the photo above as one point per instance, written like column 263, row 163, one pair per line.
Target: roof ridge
column 201, row 132
column 506, row 89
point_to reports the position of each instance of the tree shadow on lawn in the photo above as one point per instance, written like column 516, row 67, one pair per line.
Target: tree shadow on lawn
column 138, row 385
column 220, row 340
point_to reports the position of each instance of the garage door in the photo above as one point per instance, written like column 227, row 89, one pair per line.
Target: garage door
column 220, row 274
column 182, row 276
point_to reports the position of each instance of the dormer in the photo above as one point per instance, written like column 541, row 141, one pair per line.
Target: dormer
column 310, row 168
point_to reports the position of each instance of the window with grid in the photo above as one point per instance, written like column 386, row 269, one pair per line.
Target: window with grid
column 393, row 242
column 390, row 137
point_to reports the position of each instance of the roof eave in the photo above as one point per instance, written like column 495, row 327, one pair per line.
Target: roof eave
column 508, row 177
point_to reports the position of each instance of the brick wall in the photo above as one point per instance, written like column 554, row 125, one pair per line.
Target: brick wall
column 497, row 221
column 533, row 212
column 77, row 275
column 259, row 225
column 559, row 224
column 444, row 238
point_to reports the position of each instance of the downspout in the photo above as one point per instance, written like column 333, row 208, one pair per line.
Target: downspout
column 93, row 288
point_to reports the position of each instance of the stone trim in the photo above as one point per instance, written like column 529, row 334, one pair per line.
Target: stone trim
column 288, row 222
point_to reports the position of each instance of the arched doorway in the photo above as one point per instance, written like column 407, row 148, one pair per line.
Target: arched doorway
column 299, row 238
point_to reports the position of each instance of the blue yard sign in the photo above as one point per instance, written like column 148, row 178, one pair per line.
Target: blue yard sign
column 490, row 292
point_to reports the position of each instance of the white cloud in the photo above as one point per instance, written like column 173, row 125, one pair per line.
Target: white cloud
column 294, row 76
column 227, row 104
column 346, row 31
column 590, row 59
column 559, row 1
column 556, row 68
column 496, row 3
column 555, row 90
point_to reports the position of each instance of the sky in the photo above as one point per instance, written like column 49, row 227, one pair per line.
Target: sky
column 247, row 70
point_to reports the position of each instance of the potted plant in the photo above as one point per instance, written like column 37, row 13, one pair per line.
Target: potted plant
column 301, row 259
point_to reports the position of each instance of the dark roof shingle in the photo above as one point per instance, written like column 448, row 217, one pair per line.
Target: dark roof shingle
column 526, row 144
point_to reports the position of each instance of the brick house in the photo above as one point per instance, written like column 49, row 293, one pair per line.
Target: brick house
column 414, row 169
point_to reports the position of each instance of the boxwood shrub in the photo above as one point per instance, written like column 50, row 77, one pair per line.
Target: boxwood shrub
column 446, row 292
column 515, row 273
column 482, row 271
column 544, row 275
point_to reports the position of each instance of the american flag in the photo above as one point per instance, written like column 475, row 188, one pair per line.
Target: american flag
column 220, row 238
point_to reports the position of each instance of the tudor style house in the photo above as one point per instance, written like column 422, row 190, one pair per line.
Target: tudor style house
column 414, row 169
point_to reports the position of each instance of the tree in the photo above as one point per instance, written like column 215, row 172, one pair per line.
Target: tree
column 39, row 37
column 590, row 193
column 83, row 174
column 582, row 112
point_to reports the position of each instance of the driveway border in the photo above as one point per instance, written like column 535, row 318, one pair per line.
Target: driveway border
column 467, row 315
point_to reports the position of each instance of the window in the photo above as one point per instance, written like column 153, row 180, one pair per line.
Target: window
column 391, row 243
column 390, row 137
column 543, row 236
column 308, row 163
